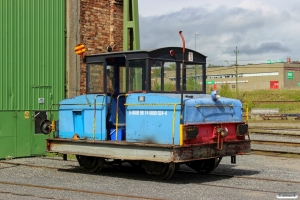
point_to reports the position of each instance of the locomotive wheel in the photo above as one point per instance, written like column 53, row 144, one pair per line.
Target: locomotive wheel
column 101, row 163
column 160, row 171
column 205, row 166
column 91, row 164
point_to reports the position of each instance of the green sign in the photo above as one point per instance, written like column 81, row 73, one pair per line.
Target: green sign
column 280, row 61
column 210, row 82
column 299, row 84
column 270, row 61
column 290, row 75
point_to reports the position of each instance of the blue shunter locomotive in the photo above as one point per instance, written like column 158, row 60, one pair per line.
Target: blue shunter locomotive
column 148, row 108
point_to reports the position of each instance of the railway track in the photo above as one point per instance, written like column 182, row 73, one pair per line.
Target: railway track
column 27, row 195
column 275, row 141
column 182, row 171
column 273, row 128
column 290, row 144
column 297, row 135
column 69, row 190
column 279, row 131
column 246, row 178
column 73, row 169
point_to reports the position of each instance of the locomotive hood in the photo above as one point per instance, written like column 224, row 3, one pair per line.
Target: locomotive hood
column 205, row 109
column 198, row 108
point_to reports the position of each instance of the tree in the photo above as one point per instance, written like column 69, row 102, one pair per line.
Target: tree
column 171, row 67
column 192, row 85
column 156, row 72
column 156, row 86
column 169, row 87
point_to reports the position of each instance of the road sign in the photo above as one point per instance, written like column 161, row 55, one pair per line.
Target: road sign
column 80, row 49
column 290, row 75
column 210, row 82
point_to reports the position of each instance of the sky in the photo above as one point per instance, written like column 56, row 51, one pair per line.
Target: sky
column 260, row 30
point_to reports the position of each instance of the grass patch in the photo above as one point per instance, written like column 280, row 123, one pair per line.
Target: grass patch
column 253, row 98
column 59, row 155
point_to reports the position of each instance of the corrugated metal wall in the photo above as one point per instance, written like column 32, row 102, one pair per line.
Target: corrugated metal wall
column 32, row 53
column 32, row 68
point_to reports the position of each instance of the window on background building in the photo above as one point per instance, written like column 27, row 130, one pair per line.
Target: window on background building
column 243, row 75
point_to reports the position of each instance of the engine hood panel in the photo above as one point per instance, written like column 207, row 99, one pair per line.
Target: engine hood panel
column 206, row 110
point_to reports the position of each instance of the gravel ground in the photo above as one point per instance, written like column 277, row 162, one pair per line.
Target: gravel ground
column 272, row 137
column 279, row 124
column 278, row 138
column 267, row 147
column 183, row 185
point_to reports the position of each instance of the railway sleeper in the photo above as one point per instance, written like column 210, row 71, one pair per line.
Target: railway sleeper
column 268, row 117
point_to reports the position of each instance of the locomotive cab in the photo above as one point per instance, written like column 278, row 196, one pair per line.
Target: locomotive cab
column 149, row 108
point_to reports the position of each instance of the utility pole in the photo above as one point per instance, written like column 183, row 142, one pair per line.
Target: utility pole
column 236, row 71
column 195, row 65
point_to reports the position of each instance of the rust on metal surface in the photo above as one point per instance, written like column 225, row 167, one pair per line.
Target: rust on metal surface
column 190, row 132
column 220, row 141
column 268, row 117
column 151, row 152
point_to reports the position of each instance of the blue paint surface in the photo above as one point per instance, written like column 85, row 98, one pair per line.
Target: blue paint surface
column 202, row 109
column 151, row 121
column 78, row 117
column 148, row 118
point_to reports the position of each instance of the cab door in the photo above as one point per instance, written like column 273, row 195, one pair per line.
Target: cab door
column 116, row 99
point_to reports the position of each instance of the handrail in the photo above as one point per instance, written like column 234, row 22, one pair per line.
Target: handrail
column 247, row 112
column 223, row 105
column 173, row 124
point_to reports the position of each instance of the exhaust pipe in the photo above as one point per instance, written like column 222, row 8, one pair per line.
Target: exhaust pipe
column 181, row 98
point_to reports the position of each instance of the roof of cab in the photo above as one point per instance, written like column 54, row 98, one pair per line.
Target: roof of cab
column 160, row 53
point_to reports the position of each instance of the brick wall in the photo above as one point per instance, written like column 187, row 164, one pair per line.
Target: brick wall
column 101, row 25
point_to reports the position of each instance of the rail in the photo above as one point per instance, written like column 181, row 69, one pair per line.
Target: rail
column 279, row 143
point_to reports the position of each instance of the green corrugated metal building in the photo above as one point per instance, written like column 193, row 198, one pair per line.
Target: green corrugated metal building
column 32, row 71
